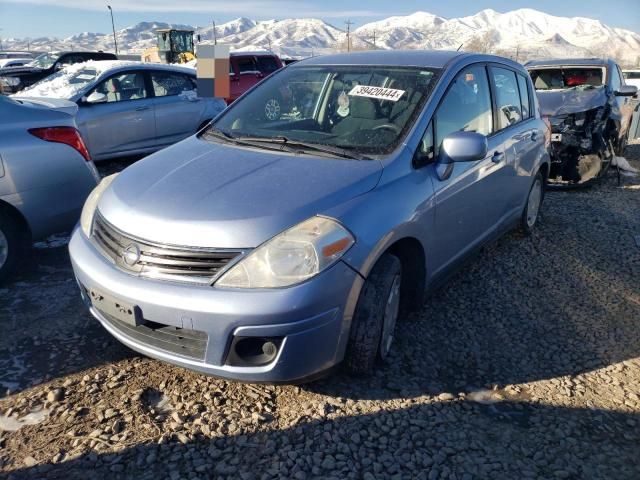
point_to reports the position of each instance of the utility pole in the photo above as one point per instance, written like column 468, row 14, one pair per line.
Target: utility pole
column 113, row 27
column 374, row 38
column 215, row 39
column 0, row 40
column 517, row 51
column 348, row 23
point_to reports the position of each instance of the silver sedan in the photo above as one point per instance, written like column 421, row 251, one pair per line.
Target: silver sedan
column 45, row 174
column 130, row 108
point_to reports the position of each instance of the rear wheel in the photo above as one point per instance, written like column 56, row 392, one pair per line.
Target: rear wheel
column 13, row 243
column 531, row 211
column 374, row 321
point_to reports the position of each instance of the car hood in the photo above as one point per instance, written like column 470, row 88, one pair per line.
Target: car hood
column 557, row 103
column 18, row 71
column 201, row 194
column 59, row 104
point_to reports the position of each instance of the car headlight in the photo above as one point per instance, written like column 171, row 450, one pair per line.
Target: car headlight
column 89, row 209
column 292, row 256
column 9, row 81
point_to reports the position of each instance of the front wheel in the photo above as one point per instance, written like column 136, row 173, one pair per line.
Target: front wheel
column 374, row 321
column 532, row 208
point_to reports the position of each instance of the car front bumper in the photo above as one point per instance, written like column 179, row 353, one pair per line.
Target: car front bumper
column 313, row 319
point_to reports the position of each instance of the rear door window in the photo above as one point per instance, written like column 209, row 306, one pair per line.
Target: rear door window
column 267, row 65
column 508, row 103
column 525, row 104
column 169, row 83
column 247, row 65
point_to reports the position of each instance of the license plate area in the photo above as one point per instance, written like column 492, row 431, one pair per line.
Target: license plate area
column 116, row 308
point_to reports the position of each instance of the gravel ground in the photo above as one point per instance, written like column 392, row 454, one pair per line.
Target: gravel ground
column 526, row 364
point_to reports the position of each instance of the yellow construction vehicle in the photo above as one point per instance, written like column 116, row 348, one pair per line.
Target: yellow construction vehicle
column 174, row 46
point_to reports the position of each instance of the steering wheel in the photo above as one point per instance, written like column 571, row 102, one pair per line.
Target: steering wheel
column 388, row 126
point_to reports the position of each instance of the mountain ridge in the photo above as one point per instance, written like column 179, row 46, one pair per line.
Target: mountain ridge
column 522, row 32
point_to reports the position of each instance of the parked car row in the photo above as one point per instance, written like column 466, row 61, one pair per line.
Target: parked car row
column 293, row 230
column 128, row 108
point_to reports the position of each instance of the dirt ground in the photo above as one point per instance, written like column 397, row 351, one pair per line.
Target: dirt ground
column 526, row 364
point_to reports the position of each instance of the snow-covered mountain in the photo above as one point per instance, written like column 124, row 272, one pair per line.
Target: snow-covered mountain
column 524, row 33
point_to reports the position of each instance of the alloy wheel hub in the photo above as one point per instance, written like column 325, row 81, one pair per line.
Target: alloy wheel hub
column 392, row 307
column 533, row 204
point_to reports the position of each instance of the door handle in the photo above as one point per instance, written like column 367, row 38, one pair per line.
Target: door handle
column 140, row 109
column 497, row 157
column 534, row 136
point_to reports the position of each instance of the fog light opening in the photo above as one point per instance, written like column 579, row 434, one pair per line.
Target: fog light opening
column 253, row 351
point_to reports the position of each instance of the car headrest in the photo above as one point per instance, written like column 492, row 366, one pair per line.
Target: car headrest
column 362, row 107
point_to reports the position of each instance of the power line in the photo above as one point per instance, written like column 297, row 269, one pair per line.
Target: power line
column 348, row 23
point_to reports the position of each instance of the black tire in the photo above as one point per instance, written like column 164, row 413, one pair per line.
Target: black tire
column 527, row 224
column 364, row 347
column 13, row 244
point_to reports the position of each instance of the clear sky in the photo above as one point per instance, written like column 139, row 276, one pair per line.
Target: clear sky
column 35, row 18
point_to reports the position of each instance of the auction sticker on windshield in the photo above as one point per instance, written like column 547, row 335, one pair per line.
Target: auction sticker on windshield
column 380, row 93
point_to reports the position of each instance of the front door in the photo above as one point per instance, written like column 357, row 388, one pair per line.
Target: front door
column 462, row 211
column 122, row 124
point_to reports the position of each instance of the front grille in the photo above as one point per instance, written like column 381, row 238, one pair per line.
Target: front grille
column 164, row 262
column 179, row 341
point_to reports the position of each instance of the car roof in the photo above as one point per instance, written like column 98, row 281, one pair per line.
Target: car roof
column 256, row 52
column 110, row 65
column 599, row 62
column 402, row 58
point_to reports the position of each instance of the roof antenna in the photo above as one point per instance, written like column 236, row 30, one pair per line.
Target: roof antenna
column 458, row 49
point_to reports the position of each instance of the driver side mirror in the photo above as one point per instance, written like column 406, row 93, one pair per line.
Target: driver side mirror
column 626, row 91
column 96, row 97
column 460, row 147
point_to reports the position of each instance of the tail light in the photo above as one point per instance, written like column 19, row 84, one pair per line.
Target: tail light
column 67, row 135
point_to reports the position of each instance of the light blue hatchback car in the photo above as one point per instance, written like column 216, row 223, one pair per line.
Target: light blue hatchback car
column 291, row 234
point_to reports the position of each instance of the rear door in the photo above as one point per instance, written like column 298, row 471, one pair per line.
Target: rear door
column 178, row 109
column 520, row 141
column 125, row 122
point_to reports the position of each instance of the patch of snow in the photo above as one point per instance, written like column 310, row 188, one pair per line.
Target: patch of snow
column 11, row 424
column 485, row 397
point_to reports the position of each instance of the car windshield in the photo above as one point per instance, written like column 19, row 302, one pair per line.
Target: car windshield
column 567, row 77
column 355, row 108
column 62, row 84
column 45, row 60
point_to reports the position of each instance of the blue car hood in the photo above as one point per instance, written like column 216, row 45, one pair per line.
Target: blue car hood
column 197, row 193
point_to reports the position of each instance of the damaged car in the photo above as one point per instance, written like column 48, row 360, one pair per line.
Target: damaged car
column 589, row 110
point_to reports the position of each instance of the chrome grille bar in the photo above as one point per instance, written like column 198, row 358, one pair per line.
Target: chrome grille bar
column 164, row 262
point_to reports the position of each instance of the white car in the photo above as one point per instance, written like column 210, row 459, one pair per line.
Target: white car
column 632, row 77
column 130, row 108
column 14, row 62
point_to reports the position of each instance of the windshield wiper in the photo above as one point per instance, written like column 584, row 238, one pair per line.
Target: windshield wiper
column 227, row 137
column 298, row 144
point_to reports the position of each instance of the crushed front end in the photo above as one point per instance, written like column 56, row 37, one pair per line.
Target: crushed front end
column 580, row 146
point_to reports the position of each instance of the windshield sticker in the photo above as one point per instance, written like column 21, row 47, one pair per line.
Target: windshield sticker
column 343, row 104
column 380, row 93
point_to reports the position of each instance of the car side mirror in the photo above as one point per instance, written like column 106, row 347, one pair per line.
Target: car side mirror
column 96, row 97
column 626, row 91
column 460, row 147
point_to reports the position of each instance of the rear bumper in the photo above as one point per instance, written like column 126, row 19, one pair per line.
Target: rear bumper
column 313, row 319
